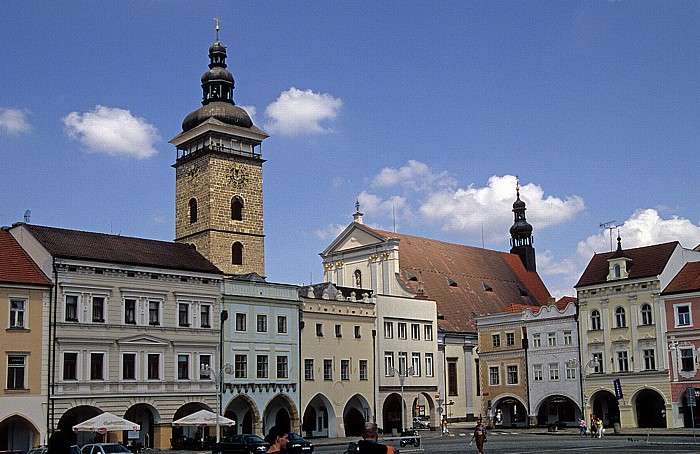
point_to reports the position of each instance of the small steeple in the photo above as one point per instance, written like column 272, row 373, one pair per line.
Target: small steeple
column 357, row 217
column 521, row 232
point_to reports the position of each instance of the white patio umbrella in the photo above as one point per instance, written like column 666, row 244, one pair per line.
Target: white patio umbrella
column 203, row 418
column 106, row 422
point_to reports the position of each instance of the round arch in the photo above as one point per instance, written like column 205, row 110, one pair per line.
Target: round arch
column 508, row 411
column 424, row 406
column 391, row 413
column 558, row 408
column 318, row 414
column 605, row 406
column 188, row 431
column 691, row 415
column 147, row 417
column 649, row 408
column 243, row 410
column 75, row 416
column 356, row 413
column 280, row 411
column 18, row 432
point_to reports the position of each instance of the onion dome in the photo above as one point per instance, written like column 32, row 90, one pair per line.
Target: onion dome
column 520, row 228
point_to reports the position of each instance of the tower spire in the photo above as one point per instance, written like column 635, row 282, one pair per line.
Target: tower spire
column 216, row 19
column 521, row 232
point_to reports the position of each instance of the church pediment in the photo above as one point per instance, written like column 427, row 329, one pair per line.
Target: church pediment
column 355, row 236
column 143, row 340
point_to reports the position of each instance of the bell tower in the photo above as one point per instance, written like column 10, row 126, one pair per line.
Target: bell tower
column 521, row 233
column 218, row 176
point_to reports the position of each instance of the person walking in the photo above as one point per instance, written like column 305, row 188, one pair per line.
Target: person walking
column 479, row 436
column 582, row 428
column 599, row 425
column 445, row 431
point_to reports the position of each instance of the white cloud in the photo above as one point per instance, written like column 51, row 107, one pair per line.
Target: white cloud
column 330, row 231
column 389, row 208
column 113, row 131
column 298, row 112
column 14, row 121
column 415, row 176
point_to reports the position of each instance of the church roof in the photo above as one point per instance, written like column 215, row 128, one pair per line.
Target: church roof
column 686, row 281
column 647, row 261
column 100, row 247
column 466, row 281
column 16, row 266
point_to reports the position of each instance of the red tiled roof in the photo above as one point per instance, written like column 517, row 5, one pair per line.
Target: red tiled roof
column 564, row 301
column 466, row 281
column 647, row 261
column 100, row 247
column 15, row 265
column 687, row 280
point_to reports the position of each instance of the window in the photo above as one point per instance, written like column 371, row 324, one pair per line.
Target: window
column 129, row 366
column 358, row 333
column 687, row 360
column 17, row 313
column 536, row 340
column 389, row 364
column 281, row 324
column 154, row 366
column 683, row 315
column 338, row 331
column 319, row 329
column 452, row 377
column 622, row 361
column 512, row 375
column 388, row 330
column 646, row 314
column 363, row 369
column 97, row 366
column 401, row 330
column 595, row 320
column 494, row 378
column 496, row 340
column 183, row 314
column 205, row 367
column 328, row 369
column 154, row 312
column 554, row 371
column 130, row 311
column 510, row 339
column 98, row 309
column 282, row 367
column 620, row 319
column 261, row 369
column 537, row 373
column 358, row 278
column 205, row 316
column 568, row 338
column 429, row 371
column 16, row 365
column 570, row 371
column 403, row 363
column 428, row 332
column 241, row 322
column 649, row 360
column 415, row 331
column 262, row 323
column 617, row 271
column 598, row 363
column 70, row 366
column 415, row 364
column 552, row 339
column 308, row 369
column 193, row 210
column 236, row 209
column 71, row 308
column 183, row 367
column 237, row 254
column 240, row 367
column 345, row 369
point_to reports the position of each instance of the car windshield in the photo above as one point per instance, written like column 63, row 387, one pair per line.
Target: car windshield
column 253, row 439
column 294, row 437
column 114, row 448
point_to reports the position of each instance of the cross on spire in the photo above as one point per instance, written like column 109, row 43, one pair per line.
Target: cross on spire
column 216, row 19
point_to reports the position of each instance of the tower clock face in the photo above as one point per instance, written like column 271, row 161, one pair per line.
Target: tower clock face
column 193, row 172
column 238, row 175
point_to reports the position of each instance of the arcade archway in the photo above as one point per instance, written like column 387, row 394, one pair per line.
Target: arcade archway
column 77, row 415
column 650, row 409
column 605, row 406
column 357, row 411
column 17, row 433
column 558, row 408
column 147, row 417
column 691, row 415
column 509, row 412
column 243, row 410
column 391, row 413
column 281, row 412
column 188, row 432
column 317, row 415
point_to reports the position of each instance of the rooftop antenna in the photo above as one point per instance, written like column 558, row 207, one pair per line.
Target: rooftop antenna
column 393, row 215
column 610, row 226
column 27, row 215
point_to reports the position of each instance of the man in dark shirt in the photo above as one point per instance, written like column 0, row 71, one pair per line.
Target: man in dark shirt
column 369, row 444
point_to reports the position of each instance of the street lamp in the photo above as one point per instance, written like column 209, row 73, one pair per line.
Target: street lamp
column 402, row 379
column 573, row 362
column 206, row 370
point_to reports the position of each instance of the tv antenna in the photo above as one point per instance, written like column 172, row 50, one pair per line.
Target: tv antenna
column 27, row 216
column 610, row 226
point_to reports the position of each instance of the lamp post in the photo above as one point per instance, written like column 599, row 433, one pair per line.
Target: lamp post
column 573, row 362
column 206, row 369
column 402, row 379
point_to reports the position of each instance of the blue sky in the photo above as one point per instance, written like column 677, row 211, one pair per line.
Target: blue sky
column 424, row 111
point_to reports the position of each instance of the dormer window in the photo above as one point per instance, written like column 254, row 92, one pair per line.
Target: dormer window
column 616, row 271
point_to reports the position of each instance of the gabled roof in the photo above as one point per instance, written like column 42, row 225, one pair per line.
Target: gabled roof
column 16, row 266
column 466, row 281
column 564, row 301
column 647, row 261
column 687, row 280
column 100, row 247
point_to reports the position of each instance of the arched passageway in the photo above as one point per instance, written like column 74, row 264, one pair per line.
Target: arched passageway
column 650, row 409
column 17, row 433
column 560, row 409
column 147, row 417
column 242, row 409
column 391, row 413
column 357, row 411
column 317, row 417
column 605, row 406
column 691, row 415
column 183, row 433
column 509, row 412
column 77, row 415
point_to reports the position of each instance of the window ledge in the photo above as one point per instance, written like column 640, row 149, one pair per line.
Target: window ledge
column 16, row 390
column 18, row 329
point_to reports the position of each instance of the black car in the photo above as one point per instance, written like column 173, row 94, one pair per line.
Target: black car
column 241, row 444
column 298, row 445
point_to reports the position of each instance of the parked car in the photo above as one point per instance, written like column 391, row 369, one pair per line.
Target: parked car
column 421, row 423
column 298, row 445
column 75, row 449
column 104, row 448
column 241, row 444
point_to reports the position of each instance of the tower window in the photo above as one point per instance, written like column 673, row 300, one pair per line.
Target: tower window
column 193, row 210
column 237, row 254
column 237, row 209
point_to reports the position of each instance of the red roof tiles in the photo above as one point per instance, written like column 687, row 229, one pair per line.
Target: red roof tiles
column 687, row 280
column 15, row 265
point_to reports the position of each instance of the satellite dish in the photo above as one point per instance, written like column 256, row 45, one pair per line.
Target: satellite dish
column 27, row 215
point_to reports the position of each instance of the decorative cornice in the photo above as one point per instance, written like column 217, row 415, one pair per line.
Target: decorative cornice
column 246, row 388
